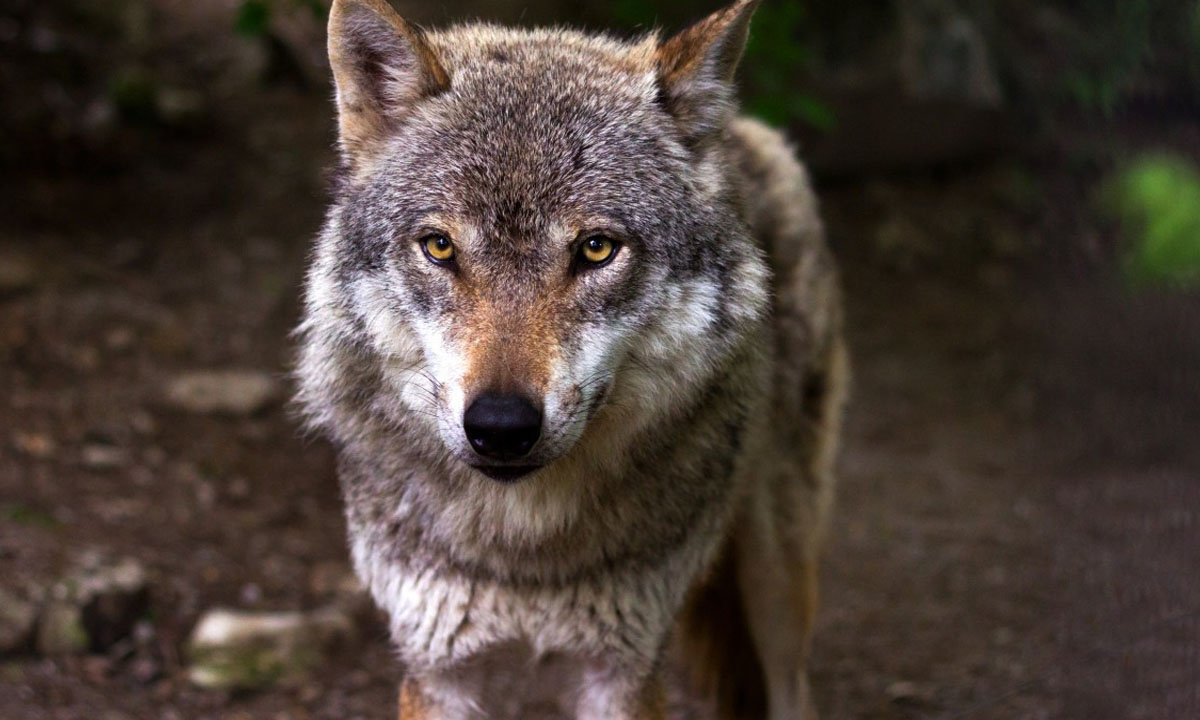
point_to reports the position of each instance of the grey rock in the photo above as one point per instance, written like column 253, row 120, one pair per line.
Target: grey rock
column 945, row 55
column 60, row 630
column 94, row 606
column 232, row 649
column 100, row 456
column 229, row 392
column 18, row 623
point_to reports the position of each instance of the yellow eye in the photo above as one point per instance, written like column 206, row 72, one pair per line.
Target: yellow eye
column 598, row 249
column 438, row 248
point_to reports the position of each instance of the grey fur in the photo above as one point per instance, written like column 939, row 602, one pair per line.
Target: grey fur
column 706, row 377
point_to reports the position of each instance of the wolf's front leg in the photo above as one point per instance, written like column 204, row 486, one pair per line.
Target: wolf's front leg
column 776, row 547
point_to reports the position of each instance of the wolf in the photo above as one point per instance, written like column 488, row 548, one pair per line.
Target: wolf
column 574, row 330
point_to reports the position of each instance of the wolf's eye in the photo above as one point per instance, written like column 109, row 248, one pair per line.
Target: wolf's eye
column 598, row 250
column 438, row 249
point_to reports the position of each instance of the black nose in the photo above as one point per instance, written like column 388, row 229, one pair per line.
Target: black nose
column 502, row 427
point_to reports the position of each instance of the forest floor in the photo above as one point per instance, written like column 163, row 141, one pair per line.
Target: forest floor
column 1018, row 522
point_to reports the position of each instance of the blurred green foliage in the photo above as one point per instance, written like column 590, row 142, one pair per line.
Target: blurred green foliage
column 775, row 61
column 1110, row 61
column 254, row 16
column 1157, row 200
column 21, row 515
column 1126, row 47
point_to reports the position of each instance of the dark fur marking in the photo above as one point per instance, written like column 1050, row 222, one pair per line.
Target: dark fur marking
column 465, row 623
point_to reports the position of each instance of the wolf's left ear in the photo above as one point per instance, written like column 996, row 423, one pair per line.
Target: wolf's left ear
column 696, row 69
column 382, row 66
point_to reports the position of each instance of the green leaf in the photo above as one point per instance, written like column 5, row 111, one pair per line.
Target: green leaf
column 1157, row 200
column 633, row 13
column 815, row 113
column 253, row 18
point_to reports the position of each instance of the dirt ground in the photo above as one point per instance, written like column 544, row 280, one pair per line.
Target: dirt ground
column 1018, row 528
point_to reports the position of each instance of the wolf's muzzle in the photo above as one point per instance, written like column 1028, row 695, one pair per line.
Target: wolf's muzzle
column 502, row 427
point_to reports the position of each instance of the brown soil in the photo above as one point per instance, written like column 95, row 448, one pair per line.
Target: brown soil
column 1019, row 519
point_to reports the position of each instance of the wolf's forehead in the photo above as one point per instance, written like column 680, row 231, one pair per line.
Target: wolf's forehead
column 489, row 51
column 548, row 90
column 532, row 144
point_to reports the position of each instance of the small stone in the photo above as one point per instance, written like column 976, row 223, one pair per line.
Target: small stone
column 231, row 649
column 99, row 456
column 18, row 623
column 230, row 392
column 904, row 691
column 34, row 444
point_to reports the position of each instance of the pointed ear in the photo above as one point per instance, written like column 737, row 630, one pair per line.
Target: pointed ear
column 382, row 66
column 697, row 66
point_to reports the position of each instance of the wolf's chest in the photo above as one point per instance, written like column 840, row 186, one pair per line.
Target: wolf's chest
column 440, row 618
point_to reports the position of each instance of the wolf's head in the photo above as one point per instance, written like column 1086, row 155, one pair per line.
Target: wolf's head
column 534, row 225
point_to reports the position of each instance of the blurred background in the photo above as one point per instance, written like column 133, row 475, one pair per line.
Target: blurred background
column 1012, row 189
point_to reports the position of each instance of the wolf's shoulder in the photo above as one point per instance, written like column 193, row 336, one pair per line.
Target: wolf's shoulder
column 781, row 209
column 778, row 199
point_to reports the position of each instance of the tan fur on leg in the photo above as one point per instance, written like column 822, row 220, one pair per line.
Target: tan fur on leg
column 777, row 577
column 714, row 645
column 413, row 704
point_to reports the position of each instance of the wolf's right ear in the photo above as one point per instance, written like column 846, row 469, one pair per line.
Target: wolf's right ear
column 382, row 66
column 697, row 66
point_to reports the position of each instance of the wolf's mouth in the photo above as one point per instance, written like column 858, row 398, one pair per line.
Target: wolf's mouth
column 506, row 473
